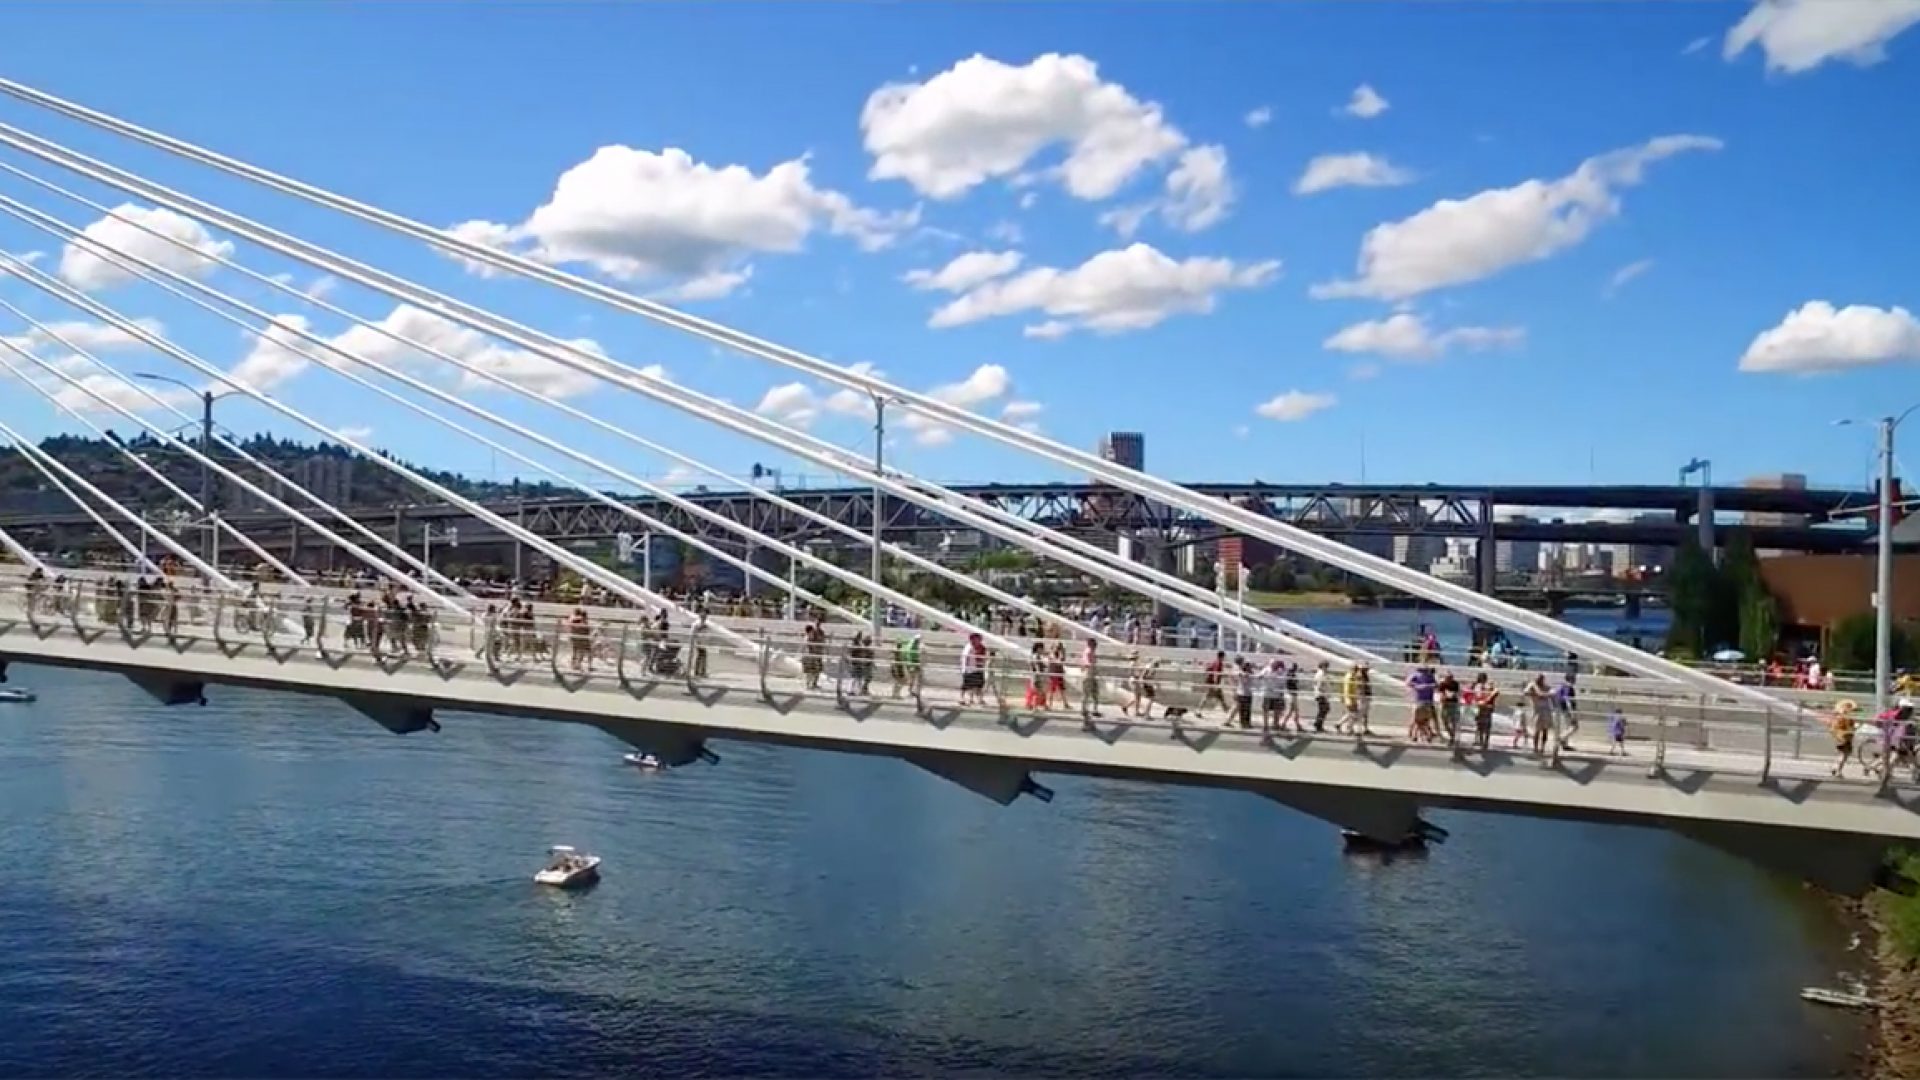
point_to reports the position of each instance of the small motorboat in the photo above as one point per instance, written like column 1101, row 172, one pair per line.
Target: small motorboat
column 569, row 869
column 18, row 697
column 641, row 760
column 1839, row 999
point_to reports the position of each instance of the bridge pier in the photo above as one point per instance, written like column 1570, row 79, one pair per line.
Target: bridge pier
column 672, row 745
column 1845, row 863
column 403, row 719
column 1486, row 552
column 1384, row 817
column 168, row 690
column 999, row 779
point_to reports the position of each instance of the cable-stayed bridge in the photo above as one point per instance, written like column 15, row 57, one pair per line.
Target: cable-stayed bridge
column 1737, row 766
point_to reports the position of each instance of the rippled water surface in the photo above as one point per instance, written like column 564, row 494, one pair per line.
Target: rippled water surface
column 269, row 885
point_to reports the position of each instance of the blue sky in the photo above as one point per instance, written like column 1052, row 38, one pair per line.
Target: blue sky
column 805, row 160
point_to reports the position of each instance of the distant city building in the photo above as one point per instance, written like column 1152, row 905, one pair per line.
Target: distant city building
column 327, row 476
column 1516, row 556
column 1127, row 448
column 1418, row 552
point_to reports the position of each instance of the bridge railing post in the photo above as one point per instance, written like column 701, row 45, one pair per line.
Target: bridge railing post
column 1659, row 741
column 1766, row 746
column 993, row 674
column 841, row 661
column 620, row 652
column 765, row 660
column 219, row 628
column 325, row 611
column 1799, row 723
column 692, row 661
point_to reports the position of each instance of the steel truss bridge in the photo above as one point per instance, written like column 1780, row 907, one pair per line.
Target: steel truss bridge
column 1736, row 766
column 1339, row 511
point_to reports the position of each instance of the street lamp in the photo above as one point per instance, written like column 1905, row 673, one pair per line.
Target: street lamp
column 1883, row 571
column 880, row 403
column 207, row 398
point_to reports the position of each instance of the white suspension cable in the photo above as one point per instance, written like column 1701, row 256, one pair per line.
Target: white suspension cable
column 583, row 567
column 65, row 231
column 155, row 273
column 138, row 553
column 598, row 366
column 140, row 560
column 27, row 273
column 1325, row 645
column 1218, row 510
column 159, row 477
column 21, row 552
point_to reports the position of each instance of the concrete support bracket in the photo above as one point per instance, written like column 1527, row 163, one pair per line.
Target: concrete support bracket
column 1383, row 816
column 1000, row 779
column 168, row 690
column 399, row 719
column 672, row 746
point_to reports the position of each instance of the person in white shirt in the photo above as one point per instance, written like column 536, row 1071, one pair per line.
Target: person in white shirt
column 1321, row 704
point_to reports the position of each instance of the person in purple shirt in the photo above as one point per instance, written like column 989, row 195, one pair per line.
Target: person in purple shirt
column 1563, row 704
column 1422, row 683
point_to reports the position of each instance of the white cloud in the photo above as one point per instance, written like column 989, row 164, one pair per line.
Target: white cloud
column 987, row 384
column 1295, row 405
column 1800, row 35
column 89, row 336
column 1127, row 289
column 1006, row 232
column 793, row 404
column 1051, row 330
column 966, row 271
column 359, row 433
column 1363, row 371
column 1241, row 431
column 1406, row 336
column 125, row 231
column 1821, row 337
column 1696, row 45
column 110, row 388
column 1199, row 192
column 1456, row 241
column 322, row 287
column 983, row 119
column 526, row 369
column 708, row 286
column 847, row 401
column 1024, row 415
column 1259, row 118
column 1329, row 171
column 272, row 361
column 635, row 214
column 1366, row 103
column 1627, row 273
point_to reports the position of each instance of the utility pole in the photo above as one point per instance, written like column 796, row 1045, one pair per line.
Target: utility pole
column 879, row 454
column 1883, row 568
column 207, row 398
column 1883, row 575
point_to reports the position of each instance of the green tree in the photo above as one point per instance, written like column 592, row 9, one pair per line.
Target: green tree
column 1851, row 645
column 1691, row 596
column 1759, row 622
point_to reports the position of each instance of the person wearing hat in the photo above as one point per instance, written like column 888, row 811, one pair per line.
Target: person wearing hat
column 1843, row 733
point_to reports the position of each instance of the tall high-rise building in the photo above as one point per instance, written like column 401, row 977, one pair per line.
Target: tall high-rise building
column 1418, row 552
column 1128, row 448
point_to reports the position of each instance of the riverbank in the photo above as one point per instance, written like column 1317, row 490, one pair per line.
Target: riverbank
column 1268, row 601
column 1893, row 1043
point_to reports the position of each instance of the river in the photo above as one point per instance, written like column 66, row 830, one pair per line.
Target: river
column 271, row 885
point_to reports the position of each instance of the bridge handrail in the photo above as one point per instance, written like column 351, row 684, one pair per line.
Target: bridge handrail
column 281, row 627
